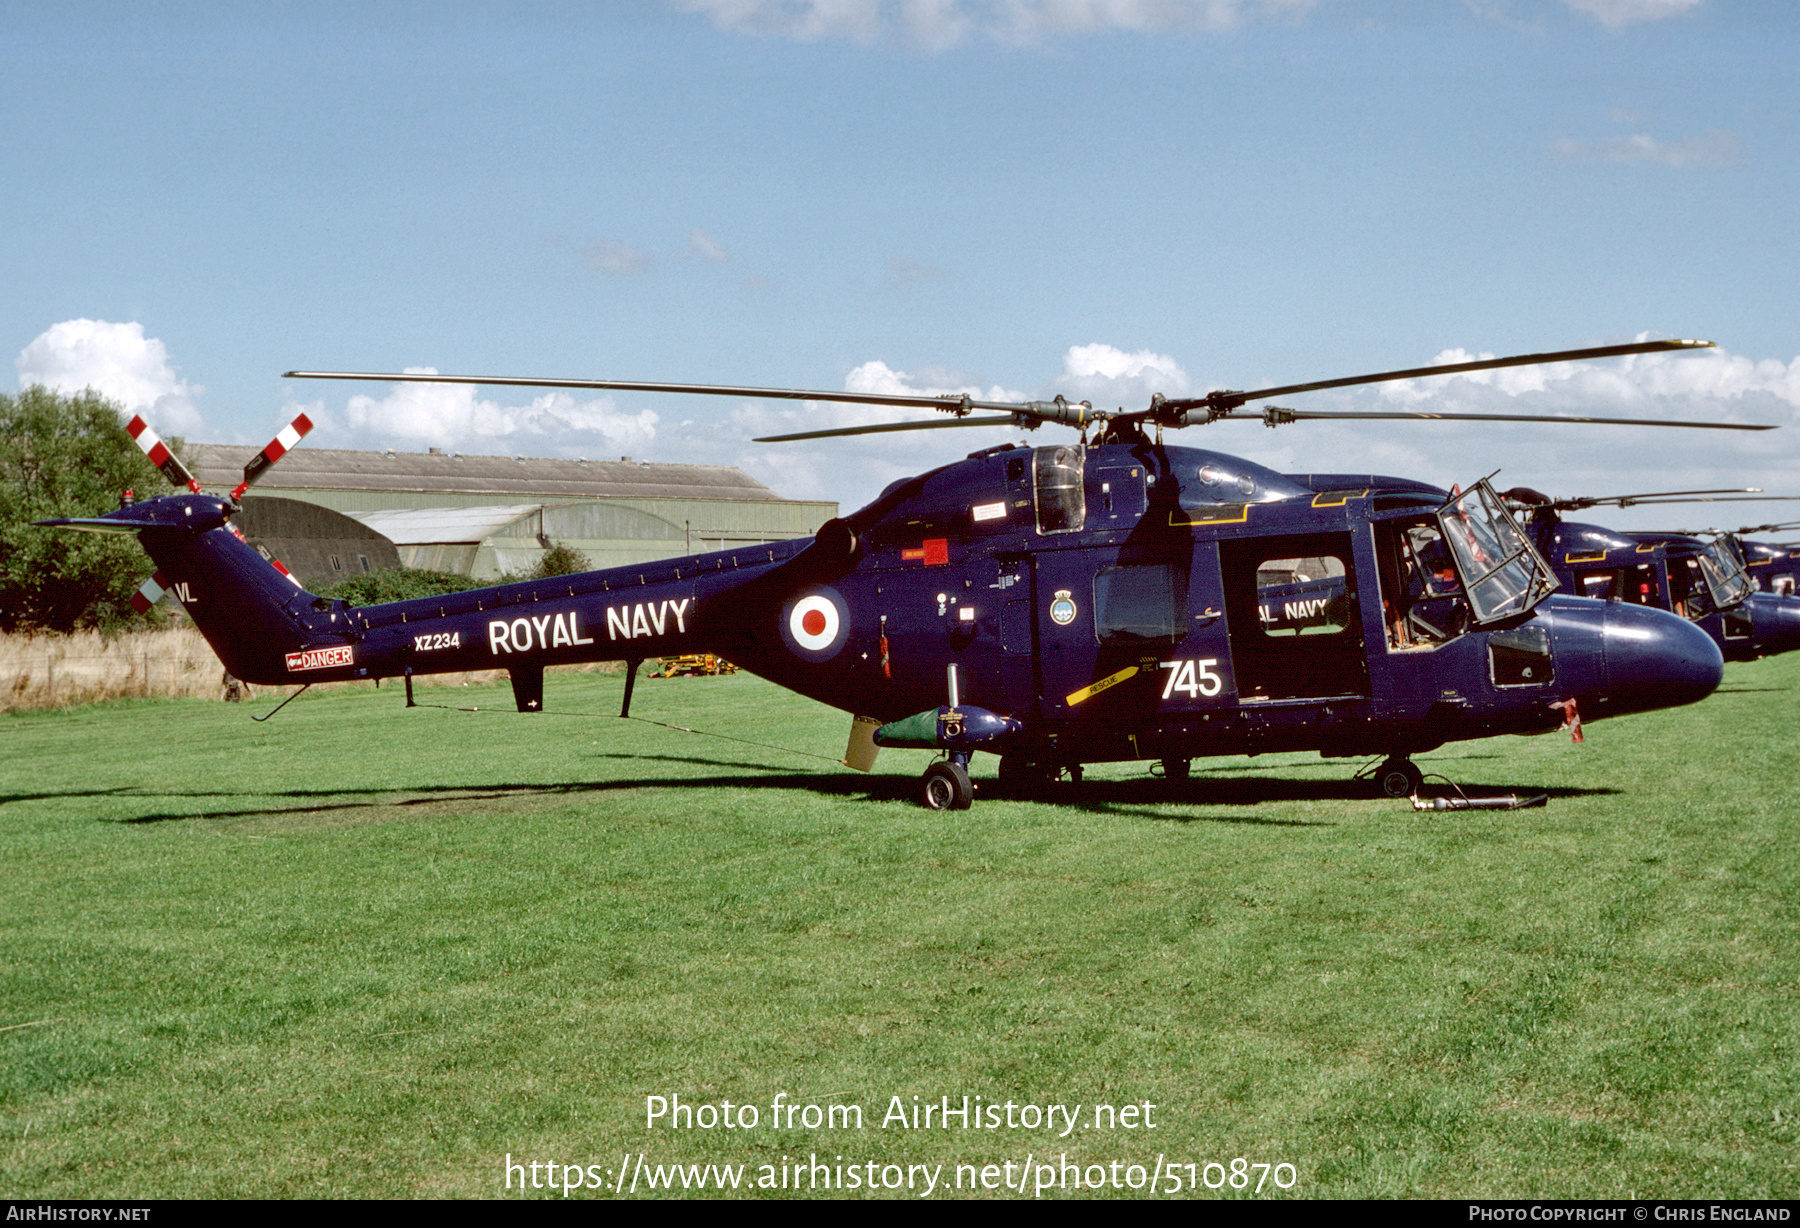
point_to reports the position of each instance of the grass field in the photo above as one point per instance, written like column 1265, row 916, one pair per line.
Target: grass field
column 366, row 951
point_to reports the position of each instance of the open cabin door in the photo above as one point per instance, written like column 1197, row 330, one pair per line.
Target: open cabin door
column 1296, row 626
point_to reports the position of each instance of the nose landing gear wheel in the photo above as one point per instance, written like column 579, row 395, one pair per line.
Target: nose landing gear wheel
column 945, row 786
column 1398, row 777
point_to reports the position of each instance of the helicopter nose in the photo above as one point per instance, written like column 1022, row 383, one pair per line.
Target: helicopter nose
column 1776, row 622
column 1655, row 659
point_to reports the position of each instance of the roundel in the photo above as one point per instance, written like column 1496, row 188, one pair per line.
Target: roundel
column 816, row 624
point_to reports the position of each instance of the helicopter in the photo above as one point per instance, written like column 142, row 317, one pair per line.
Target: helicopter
column 1104, row 599
column 1779, row 562
column 1774, row 566
column 1706, row 582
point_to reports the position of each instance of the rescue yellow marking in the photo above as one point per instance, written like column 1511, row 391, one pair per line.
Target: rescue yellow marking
column 1584, row 558
column 1229, row 513
column 1105, row 684
column 1337, row 498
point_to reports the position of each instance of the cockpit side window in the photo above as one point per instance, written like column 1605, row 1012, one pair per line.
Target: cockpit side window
column 1061, row 499
column 1503, row 574
column 1422, row 598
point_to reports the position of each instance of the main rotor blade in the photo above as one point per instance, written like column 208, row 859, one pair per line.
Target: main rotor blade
column 1580, row 503
column 945, row 402
column 1714, row 499
column 1455, row 368
column 1277, row 415
column 1170, row 412
column 1589, row 500
column 885, row 427
column 1711, row 499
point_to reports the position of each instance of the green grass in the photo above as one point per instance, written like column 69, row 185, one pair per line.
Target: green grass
column 365, row 951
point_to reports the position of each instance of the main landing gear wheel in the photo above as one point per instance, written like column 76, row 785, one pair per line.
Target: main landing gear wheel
column 945, row 786
column 1176, row 770
column 1398, row 777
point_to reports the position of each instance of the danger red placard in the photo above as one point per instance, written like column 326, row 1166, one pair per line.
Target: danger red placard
column 933, row 552
column 321, row 658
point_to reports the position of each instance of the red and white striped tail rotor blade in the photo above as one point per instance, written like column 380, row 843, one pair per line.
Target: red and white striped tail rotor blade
column 159, row 454
column 289, row 435
column 279, row 566
column 149, row 593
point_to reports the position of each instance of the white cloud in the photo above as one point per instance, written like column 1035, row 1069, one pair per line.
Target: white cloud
column 611, row 256
column 1113, row 379
column 117, row 361
column 706, row 247
column 1716, row 148
column 937, row 25
column 1695, row 384
column 456, row 416
column 1616, row 14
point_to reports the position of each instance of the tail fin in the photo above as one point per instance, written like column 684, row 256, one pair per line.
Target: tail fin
column 252, row 612
column 253, row 615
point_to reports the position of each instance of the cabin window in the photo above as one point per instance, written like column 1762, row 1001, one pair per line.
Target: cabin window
column 1521, row 657
column 1604, row 585
column 1138, row 604
column 1295, row 624
column 1302, row 596
column 1061, row 501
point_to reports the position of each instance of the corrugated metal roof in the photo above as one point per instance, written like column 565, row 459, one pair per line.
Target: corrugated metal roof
column 418, row 525
column 222, row 465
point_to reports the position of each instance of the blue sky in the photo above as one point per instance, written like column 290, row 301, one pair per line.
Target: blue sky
column 1098, row 197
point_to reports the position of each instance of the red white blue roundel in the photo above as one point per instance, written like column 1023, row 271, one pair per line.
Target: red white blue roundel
column 816, row 623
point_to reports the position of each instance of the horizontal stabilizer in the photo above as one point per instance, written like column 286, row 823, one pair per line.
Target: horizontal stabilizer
column 111, row 524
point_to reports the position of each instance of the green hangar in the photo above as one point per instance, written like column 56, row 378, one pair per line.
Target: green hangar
column 329, row 515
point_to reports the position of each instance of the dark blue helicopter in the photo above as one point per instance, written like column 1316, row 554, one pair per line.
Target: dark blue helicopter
column 1091, row 601
column 1706, row 582
column 1773, row 567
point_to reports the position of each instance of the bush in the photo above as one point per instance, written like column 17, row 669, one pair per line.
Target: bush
column 559, row 560
column 398, row 584
column 68, row 456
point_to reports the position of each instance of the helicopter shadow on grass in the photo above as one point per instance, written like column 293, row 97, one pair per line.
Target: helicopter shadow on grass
column 328, row 801
column 1115, row 797
column 1145, row 796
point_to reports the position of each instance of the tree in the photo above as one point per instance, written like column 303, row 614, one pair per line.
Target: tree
column 64, row 455
column 559, row 560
